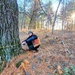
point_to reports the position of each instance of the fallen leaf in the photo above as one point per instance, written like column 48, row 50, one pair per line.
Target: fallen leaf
column 59, row 70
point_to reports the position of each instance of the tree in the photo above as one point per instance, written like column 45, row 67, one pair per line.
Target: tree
column 9, row 32
column 47, row 11
column 34, row 10
column 66, row 14
column 55, row 16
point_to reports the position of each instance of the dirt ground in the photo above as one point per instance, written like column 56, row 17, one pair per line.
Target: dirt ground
column 56, row 52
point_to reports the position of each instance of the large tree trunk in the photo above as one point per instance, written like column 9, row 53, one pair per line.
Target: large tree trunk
column 9, row 32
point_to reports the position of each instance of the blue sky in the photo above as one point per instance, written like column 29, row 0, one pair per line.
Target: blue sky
column 54, row 3
column 45, row 1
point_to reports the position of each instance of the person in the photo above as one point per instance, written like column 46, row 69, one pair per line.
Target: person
column 32, row 41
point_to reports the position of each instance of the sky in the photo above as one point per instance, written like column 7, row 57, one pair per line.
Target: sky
column 54, row 4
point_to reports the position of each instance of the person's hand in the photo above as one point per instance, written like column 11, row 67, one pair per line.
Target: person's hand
column 23, row 43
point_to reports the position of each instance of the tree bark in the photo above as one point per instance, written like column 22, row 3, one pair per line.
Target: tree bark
column 9, row 32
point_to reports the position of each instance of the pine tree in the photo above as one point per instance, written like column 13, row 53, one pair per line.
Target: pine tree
column 9, row 32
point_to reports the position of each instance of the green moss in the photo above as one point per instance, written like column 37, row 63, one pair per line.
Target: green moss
column 19, row 63
column 2, row 66
column 69, row 71
column 0, row 7
column 2, row 54
column 1, row 51
column 4, row 1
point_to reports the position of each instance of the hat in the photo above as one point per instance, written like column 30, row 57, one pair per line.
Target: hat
column 30, row 32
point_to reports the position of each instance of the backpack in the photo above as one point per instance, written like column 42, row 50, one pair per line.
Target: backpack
column 36, row 42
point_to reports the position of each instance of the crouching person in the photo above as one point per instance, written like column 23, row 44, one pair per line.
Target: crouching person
column 32, row 41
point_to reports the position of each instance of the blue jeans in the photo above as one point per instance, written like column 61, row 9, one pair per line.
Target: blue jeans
column 31, row 47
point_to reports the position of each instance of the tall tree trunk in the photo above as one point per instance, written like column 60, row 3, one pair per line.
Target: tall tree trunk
column 55, row 17
column 9, row 32
column 63, row 16
column 24, row 14
column 62, row 25
column 32, row 24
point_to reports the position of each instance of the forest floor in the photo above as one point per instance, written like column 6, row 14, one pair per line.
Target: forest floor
column 56, row 55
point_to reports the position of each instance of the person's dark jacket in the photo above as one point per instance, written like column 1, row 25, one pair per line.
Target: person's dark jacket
column 30, row 39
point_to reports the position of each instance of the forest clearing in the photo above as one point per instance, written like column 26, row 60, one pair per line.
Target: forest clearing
column 52, row 58
column 37, row 37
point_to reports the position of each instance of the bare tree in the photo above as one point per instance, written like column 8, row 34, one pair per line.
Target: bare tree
column 47, row 10
column 67, row 14
column 35, row 8
column 55, row 16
